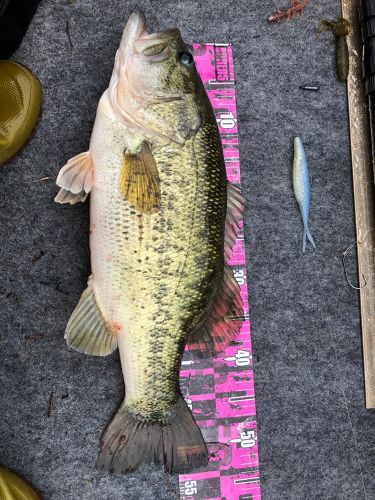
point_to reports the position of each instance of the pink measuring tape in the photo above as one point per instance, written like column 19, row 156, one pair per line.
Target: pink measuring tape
column 220, row 391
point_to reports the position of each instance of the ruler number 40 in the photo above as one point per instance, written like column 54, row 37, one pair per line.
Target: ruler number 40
column 241, row 358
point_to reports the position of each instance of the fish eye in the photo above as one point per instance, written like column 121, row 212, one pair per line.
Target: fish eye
column 186, row 58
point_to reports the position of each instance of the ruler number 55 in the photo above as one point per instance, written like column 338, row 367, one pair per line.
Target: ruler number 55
column 190, row 487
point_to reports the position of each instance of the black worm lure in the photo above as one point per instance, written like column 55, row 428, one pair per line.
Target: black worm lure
column 340, row 29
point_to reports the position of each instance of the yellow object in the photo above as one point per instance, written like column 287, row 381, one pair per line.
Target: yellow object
column 12, row 487
column 20, row 100
column 139, row 181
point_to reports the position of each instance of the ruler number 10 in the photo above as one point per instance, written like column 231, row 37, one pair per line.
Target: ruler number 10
column 226, row 120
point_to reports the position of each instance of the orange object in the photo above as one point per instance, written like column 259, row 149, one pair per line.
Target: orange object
column 296, row 7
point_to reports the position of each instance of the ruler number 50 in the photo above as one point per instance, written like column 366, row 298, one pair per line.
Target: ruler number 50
column 247, row 439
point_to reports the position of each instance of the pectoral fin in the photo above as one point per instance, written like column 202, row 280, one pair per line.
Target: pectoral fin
column 75, row 179
column 139, row 181
column 87, row 330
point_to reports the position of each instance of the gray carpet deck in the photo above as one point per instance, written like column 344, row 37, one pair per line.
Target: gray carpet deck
column 316, row 439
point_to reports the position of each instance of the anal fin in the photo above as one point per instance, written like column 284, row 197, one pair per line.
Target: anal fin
column 87, row 331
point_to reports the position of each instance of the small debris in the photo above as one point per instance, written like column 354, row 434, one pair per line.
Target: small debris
column 42, row 179
column 314, row 88
column 68, row 33
column 50, row 405
column 34, row 337
column 37, row 257
column 296, row 7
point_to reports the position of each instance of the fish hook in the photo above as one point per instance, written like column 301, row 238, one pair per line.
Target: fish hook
column 343, row 256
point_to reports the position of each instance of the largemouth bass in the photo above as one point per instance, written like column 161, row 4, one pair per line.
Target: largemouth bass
column 163, row 221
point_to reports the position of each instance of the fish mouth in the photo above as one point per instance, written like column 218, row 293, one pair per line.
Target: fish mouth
column 134, row 29
column 136, row 39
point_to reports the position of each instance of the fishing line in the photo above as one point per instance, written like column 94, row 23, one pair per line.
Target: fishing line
column 326, row 320
column 343, row 256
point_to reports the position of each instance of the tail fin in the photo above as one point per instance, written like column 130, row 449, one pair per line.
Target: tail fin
column 306, row 232
column 177, row 442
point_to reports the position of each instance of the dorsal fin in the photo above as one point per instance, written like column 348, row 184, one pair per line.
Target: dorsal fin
column 235, row 209
column 222, row 320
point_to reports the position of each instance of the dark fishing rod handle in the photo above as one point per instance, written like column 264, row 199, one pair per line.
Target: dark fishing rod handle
column 15, row 17
column 367, row 24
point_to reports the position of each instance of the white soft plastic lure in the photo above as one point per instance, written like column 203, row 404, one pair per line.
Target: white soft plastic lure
column 301, row 186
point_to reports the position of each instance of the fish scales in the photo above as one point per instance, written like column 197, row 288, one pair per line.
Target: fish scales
column 173, row 259
column 163, row 222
